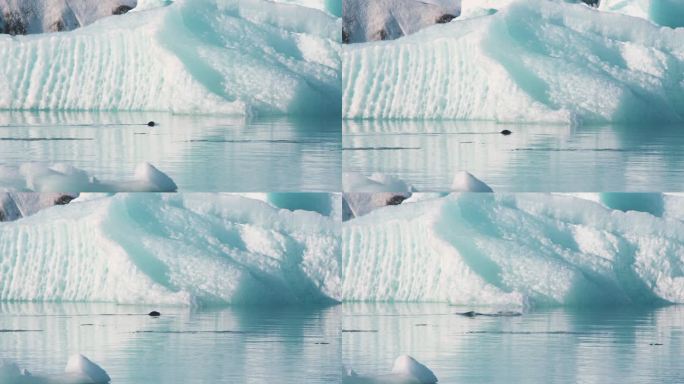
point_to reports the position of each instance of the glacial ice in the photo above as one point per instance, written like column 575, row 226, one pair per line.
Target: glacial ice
column 516, row 250
column 60, row 177
column 668, row 13
column 171, row 249
column 237, row 57
column 544, row 61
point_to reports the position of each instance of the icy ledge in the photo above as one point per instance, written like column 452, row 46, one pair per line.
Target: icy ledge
column 542, row 61
column 241, row 57
column 516, row 250
column 63, row 178
column 174, row 249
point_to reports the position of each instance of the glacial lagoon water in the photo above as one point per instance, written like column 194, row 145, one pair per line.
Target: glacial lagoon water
column 199, row 152
column 610, row 345
column 534, row 158
column 222, row 345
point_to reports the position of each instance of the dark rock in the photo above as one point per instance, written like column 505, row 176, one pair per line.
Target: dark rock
column 120, row 10
column 345, row 36
column 445, row 18
column 593, row 3
column 396, row 200
column 506, row 132
column 57, row 26
column 151, row 124
column 63, row 200
column 154, row 314
column 13, row 24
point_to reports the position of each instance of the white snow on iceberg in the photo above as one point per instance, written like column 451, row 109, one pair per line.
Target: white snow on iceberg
column 222, row 56
column 532, row 61
column 192, row 249
column 525, row 249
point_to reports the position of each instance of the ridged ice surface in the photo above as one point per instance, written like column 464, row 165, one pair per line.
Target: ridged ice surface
column 171, row 249
column 532, row 61
column 221, row 56
column 525, row 249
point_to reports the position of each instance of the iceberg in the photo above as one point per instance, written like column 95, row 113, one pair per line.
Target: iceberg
column 64, row 178
column 241, row 57
column 171, row 249
column 516, row 251
column 541, row 61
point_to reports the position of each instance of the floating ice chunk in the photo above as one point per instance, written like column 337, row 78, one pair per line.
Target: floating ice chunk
column 466, row 182
column 153, row 180
column 406, row 370
column 81, row 366
column 532, row 61
column 408, row 366
column 377, row 182
column 79, row 370
column 64, row 179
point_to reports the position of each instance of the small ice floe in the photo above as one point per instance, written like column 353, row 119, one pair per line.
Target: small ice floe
column 37, row 177
column 466, row 182
column 79, row 370
column 406, row 370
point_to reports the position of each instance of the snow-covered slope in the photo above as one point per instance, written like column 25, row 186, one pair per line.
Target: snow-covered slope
column 524, row 249
column 171, row 249
column 532, row 61
column 213, row 56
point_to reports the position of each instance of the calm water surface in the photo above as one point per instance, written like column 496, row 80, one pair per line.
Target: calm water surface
column 534, row 158
column 229, row 345
column 201, row 153
column 545, row 346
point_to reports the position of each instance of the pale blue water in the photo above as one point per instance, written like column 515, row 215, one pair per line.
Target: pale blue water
column 225, row 345
column 200, row 153
column 534, row 158
column 544, row 346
